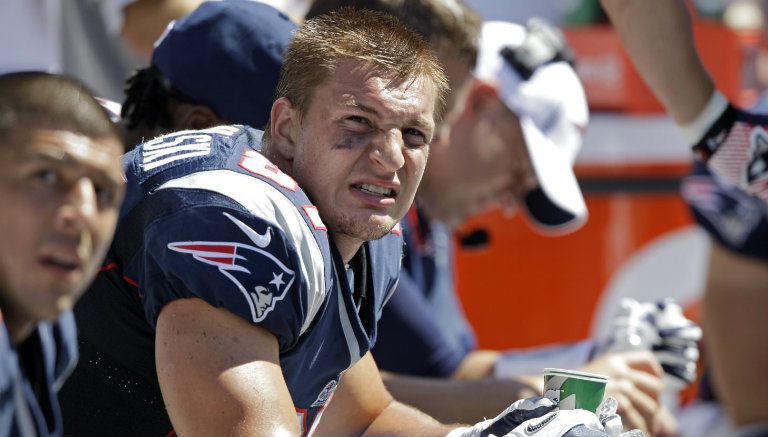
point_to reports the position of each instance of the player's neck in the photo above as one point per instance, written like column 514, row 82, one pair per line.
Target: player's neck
column 347, row 246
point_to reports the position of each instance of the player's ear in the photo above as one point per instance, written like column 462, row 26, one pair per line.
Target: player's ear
column 186, row 116
column 284, row 127
column 478, row 98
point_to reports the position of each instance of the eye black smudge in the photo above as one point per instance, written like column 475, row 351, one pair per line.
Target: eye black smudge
column 352, row 142
column 346, row 143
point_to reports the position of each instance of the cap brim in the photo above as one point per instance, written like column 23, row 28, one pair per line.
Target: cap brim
column 557, row 205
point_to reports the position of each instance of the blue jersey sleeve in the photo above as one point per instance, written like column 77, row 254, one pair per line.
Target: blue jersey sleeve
column 410, row 340
column 231, row 259
column 736, row 219
column 735, row 148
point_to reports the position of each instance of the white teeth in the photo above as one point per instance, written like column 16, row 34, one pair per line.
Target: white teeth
column 376, row 189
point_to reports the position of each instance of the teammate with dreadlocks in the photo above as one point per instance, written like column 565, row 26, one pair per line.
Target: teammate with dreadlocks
column 174, row 92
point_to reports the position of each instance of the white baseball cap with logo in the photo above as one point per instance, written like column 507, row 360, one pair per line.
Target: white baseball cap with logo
column 544, row 92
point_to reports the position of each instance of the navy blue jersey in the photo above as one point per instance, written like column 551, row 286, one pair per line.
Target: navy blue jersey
column 423, row 330
column 736, row 149
column 30, row 375
column 728, row 189
column 207, row 216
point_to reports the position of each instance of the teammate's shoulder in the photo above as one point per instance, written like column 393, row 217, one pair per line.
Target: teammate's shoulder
column 190, row 150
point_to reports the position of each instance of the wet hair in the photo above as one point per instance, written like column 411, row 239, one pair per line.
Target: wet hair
column 371, row 38
column 51, row 101
column 440, row 22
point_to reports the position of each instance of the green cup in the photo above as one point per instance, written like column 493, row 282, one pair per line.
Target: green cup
column 572, row 390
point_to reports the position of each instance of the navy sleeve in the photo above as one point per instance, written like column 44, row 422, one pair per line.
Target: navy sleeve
column 736, row 219
column 229, row 258
column 735, row 148
column 410, row 340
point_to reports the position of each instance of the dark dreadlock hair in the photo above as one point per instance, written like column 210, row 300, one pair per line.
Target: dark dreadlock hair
column 148, row 94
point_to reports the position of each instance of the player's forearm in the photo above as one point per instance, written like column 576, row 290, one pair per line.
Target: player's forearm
column 398, row 419
column 466, row 401
column 735, row 324
column 658, row 38
column 477, row 364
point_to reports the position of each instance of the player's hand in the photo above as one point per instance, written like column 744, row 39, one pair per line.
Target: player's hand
column 661, row 328
column 677, row 347
column 509, row 419
column 635, row 381
column 540, row 416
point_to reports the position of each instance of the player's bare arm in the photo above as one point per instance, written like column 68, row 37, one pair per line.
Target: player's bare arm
column 734, row 306
column 657, row 35
column 362, row 406
column 219, row 374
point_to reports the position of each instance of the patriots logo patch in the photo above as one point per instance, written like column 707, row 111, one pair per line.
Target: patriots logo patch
column 325, row 394
column 728, row 210
column 238, row 262
column 758, row 163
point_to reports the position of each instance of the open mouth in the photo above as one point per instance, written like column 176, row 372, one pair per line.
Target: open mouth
column 60, row 263
column 377, row 190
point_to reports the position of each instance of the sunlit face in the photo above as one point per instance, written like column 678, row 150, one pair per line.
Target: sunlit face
column 484, row 163
column 361, row 149
column 59, row 199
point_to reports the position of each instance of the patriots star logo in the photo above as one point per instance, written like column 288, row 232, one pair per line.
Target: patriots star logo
column 238, row 262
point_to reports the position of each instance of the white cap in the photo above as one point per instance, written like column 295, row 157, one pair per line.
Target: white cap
column 553, row 114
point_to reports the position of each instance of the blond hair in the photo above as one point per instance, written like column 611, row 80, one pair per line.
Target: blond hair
column 371, row 38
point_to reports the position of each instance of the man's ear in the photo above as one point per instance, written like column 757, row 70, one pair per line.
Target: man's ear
column 284, row 123
column 188, row 116
column 479, row 96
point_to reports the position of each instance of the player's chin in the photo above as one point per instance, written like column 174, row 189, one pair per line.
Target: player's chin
column 382, row 225
column 51, row 303
column 370, row 228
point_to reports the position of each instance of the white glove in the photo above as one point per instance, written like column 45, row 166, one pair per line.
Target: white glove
column 540, row 417
column 661, row 328
column 509, row 419
column 565, row 423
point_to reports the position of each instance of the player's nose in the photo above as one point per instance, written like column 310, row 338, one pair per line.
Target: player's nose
column 79, row 210
column 387, row 151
